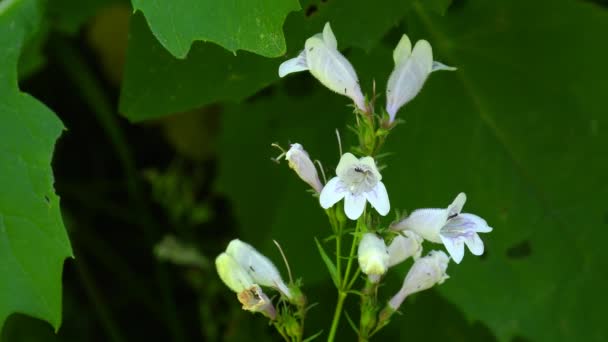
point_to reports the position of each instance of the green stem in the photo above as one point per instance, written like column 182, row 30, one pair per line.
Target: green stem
column 339, row 254
column 345, row 283
column 337, row 313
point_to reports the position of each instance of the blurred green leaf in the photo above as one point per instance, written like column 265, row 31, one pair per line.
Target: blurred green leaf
column 33, row 240
column 253, row 25
column 156, row 83
column 68, row 16
column 520, row 127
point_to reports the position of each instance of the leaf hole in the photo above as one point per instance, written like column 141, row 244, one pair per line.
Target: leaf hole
column 311, row 9
column 520, row 250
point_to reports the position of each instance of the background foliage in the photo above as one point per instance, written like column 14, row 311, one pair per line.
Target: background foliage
column 170, row 135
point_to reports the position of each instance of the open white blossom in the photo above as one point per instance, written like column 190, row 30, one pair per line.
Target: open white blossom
column 357, row 181
column 260, row 268
column 322, row 58
column 403, row 246
column 373, row 256
column 412, row 68
column 300, row 162
column 448, row 226
column 424, row 274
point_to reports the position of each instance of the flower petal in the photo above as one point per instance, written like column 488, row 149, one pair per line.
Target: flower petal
column 329, row 38
column 332, row 192
column 455, row 247
column 403, row 50
column 479, row 225
column 354, row 205
column 346, row 162
column 232, row 273
column 475, row 244
column 456, row 207
column 440, row 66
column 422, row 54
column 403, row 247
column 424, row 222
column 371, row 163
column 293, row 65
column 378, row 198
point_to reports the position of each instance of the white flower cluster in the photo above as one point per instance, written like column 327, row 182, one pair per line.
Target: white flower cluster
column 358, row 181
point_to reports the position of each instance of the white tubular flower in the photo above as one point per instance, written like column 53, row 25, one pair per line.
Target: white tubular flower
column 259, row 267
column 300, row 162
column 322, row 58
column 424, row 274
column 255, row 300
column 412, row 68
column 358, row 181
column 373, row 256
column 404, row 246
column 232, row 274
column 448, row 226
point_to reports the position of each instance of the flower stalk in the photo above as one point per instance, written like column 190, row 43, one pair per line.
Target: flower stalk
column 375, row 245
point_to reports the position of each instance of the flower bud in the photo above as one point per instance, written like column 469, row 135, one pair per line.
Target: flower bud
column 259, row 267
column 300, row 162
column 373, row 256
column 424, row 274
column 404, row 246
column 232, row 274
column 255, row 300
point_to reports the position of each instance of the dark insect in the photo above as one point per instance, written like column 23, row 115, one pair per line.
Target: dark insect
column 358, row 169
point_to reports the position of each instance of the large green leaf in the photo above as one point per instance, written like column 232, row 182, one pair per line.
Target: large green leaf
column 33, row 240
column 156, row 83
column 519, row 127
column 253, row 25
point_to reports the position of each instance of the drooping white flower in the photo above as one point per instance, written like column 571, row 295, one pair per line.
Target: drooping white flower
column 448, row 226
column 373, row 256
column 260, row 268
column 412, row 68
column 424, row 274
column 238, row 280
column 357, row 181
column 322, row 58
column 300, row 162
column 403, row 246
